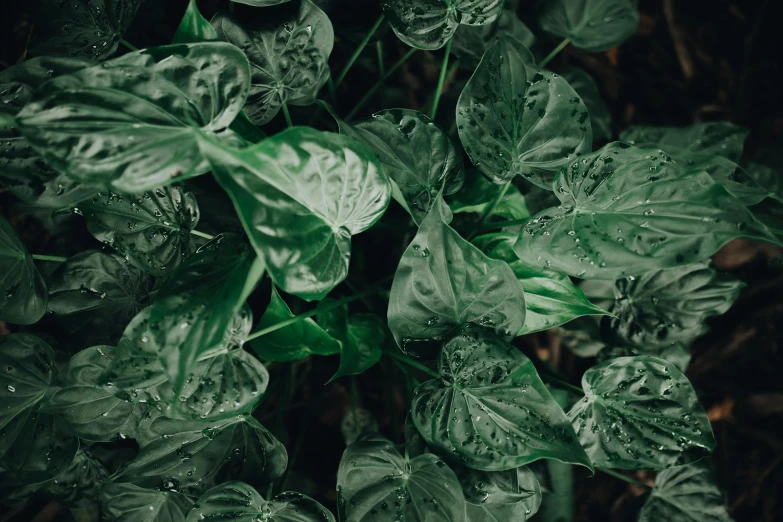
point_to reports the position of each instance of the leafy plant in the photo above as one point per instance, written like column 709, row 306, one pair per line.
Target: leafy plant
column 127, row 382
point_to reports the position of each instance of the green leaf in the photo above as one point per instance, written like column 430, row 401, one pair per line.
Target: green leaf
column 582, row 336
column 685, row 494
column 23, row 295
column 93, row 295
column 490, row 410
column 499, row 496
column 444, row 282
column 551, row 299
column 377, row 484
column 130, row 124
column 44, row 446
column 470, row 42
column 627, row 210
column 514, row 118
column 240, row 502
column 91, row 28
column 194, row 27
column 191, row 457
column 261, row 3
column 293, row 342
column 129, row 503
column 640, row 413
column 478, row 194
column 670, row 306
column 288, row 53
column 429, row 24
column 591, row 25
column 151, row 230
column 80, row 483
column 361, row 337
column 675, row 353
column 586, row 88
column 301, row 195
column 415, row 153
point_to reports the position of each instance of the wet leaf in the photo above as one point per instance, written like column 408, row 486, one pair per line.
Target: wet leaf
column 586, row 88
column 641, row 413
column 23, row 295
column 80, row 483
column 490, row 496
column 478, row 194
column 675, row 353
column 471, row 41
column 591, row 25
column 361, row 337
column 128, row 503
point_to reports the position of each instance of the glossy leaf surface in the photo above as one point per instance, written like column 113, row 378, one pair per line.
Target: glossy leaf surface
column 471, row 41
column 586, row 88
column 301, row 195
column 640, row 413
column 128, row 503
column 591, row 25
column 719, row 138
column 515, row 119
column 377, row 484
column 129, row 124
column 23, row 291
column 361, row 337
column 478, row 194
column 443, row 282
column 490, row 409
column 513, row 494
column 194, row 27
column 627, row 210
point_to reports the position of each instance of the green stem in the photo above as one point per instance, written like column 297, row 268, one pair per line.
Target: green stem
column 357, row 52
column 499, row 224
column 562, row 45
column 623, row 477
column 404, row 369
column 379, row 52
column 316, row 310
column 380, row 82
column 562, row 384
column 441, row 79
column 410, row 362
column 129, row 45
column 490, row 210
column 599, row 298
column 58, row 259
column 355, row 404
column 202, row 234
column 287, row 116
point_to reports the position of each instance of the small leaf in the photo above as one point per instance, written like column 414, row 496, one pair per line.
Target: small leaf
column 191, row 457
column 585, row 87
column 685, row 494
column 293, row 342
column 129, row 124
column 360, row 336
column 470, row 42
column 591, row 25
column 640, row 413
column 627, row 210
column 490, row 410
column 128, row 503
column 444, row 282
column 301, row 195
column 478, row 194
column 23, row 295
column 288, row 54
column 151, row 230
column 376, row 483
column 194, row 27
column 80, row 483
column 240, row 502
column 507, row 495
column 514, row 118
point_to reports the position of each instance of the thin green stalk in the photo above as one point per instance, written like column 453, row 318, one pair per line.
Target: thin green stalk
column 129, row 45
column 357, row 52
column 441, row 79
column 58, row 259
column 381, row 66
column 287, row 116
column 355, row 404
column 499, row 224
column 231, row 6
column 202, row 234
column 562, row 384
column 405, row 370
column 380, row 82
column 410, row 362
column 490, row 209
column 562, row 45
column 623, row 477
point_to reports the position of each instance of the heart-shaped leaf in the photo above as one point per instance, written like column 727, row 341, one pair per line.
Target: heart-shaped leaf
column 23, row 291
column 640, row 413
column 591, row 25
column 301, row 195
column 490, row 409
column 627, row 210
column 514, row 118
column 128, row 503
column 443, row 282
column 471, row 42
column 361, row 337
column 512, row 494
column 129, row 124
column 585, row 87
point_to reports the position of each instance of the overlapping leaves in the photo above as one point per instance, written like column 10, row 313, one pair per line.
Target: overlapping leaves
column 23, row 288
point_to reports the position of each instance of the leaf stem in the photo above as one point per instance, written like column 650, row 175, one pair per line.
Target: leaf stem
column 380, row 82
column 562, row 45
column 129, row 45
column 441, row 79
column 58, row 259
column 562, row 384
column 202, row 234
column 287, row 116
column 499, row 224
column 622, row 477
column 410, row 362
column 357, row 52
column 490, row 209
column 381, row 66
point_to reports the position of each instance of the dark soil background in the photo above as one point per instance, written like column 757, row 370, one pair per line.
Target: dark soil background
column 688, row 62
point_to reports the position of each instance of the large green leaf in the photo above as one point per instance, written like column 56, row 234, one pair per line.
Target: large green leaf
column 429, row 24
column 44, row 447
column 471, row 41
column 241, row 503
column 128, row 503
column 301, row 195
column 191, row 457
column 23, row 295
column 499, row 496
column 130, row 124
column 152, row 230
column 676, row 353
column 586, row 88
column 293, row 342
column 93, row 295
column 377, row 484
column 478, row 194
column 361, row 337
column 686, row 494
column 90, row 28
column 514, row 118
column 80, row 483
column 91, row 407
column 415, row 153
column 640, row 413
column 551, row 299
column 591, row 25
column 670, row 306
column 288, row 53
column 627, row 210
column 23, row 171
column 443, row 282
column 490, row 409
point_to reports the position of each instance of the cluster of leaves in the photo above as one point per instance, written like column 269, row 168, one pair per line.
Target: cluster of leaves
column 159, row 319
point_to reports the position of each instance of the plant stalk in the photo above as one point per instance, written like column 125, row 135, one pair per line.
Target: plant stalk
column 129, row 45
column 357, row 52
column 623, row 477
column 58, row 259
column 380, row 82
column 287, row 115
column 441, row 79
column 202, row 234
column 490, row 209
column 410, row 362
column 562, row 45
column 499, row 224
